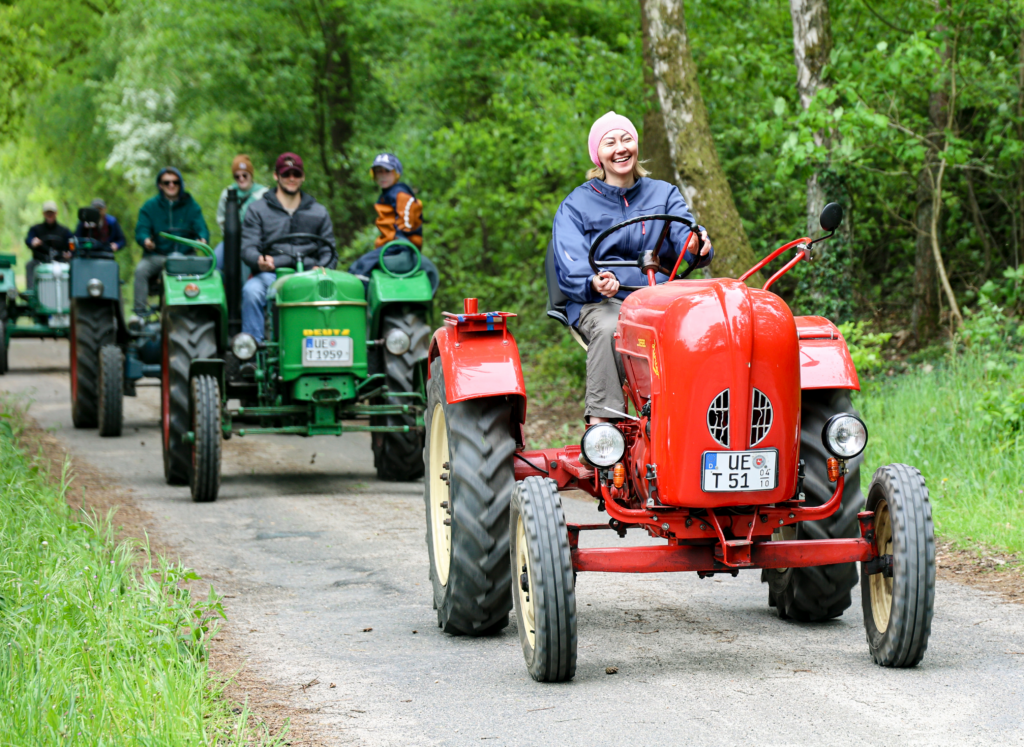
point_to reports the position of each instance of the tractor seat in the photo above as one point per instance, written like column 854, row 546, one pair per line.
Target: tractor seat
column 556, row 298
column 179, row 264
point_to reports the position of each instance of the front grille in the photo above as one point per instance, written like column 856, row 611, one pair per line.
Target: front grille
column 718, row 418
column 325, row 288
column 760, row 417
column 53, row 293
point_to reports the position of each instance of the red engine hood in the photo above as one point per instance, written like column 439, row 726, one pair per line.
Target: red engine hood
column 683, row 345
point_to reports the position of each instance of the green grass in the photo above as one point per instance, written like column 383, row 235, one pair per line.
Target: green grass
column 99, row 644
column 959, row 424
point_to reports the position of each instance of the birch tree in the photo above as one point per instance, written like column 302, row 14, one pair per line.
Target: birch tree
column 677, row 136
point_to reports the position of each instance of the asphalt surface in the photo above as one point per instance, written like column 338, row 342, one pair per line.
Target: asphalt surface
column 312, row 550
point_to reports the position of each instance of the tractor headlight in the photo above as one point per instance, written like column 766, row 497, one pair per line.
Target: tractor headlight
column 191, row 290
column 243, row 345
column 94, row 287
column 844, row 436
column 603, row 445
column 397, row 342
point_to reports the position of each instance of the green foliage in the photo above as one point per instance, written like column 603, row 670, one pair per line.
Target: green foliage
column 100, row 646
column 865, row 347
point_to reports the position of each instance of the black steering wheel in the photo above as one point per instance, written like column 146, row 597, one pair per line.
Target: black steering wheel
column 303, row 236
column 649, row 258
column 55, row 245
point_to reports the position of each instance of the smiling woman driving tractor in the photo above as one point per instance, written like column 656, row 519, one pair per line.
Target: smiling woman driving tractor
column 618, row 189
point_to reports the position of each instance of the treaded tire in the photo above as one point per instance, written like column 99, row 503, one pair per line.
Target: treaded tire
column 820, row 592
column 92, row 327
column 472, row 583
column 206, row 424
column 544, row 594
column 898, row 632
column 111, row 388
column 395, row 454
column 3, row 343
column 188, row 334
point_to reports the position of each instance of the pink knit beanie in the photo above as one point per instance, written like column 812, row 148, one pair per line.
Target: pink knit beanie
column 604, row 125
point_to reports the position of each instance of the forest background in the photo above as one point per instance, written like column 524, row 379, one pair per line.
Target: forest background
column 915, row 124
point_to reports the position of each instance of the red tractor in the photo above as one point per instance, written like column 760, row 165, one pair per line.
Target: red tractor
column 743, row 453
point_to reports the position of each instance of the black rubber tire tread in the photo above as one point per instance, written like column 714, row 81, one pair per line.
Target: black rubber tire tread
column 820, row 592
column 553, row 657
column 191, row 334
column 395, row 454
column 110, row 410
column 905, row 640
column 3, row 342
column 477, row 598
column 206, row 425
column 94, row 327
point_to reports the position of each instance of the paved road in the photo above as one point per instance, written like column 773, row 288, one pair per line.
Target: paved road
column 314, row 550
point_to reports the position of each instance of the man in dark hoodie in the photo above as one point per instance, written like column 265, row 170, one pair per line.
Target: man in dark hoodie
column 283, row 211
column 171, row 211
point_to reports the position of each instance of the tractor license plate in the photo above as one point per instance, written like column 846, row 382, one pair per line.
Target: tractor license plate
column 735, row 471
column 332, row 350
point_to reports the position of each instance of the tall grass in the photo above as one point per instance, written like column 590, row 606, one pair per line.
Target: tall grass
column 959, row 424
column 96, row 648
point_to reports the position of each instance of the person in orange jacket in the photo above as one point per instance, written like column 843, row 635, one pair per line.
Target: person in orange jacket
column 399, row 212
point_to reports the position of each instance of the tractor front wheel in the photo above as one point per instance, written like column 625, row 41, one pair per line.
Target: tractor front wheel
column 898, row 607
column 545, row 596
column 467, row 490
column 188, row 333
column 206, row 438
column 92, row 327
column 111, row 388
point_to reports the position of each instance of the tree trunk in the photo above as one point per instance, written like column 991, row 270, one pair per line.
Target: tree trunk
column 677, row 137
column 812, row 47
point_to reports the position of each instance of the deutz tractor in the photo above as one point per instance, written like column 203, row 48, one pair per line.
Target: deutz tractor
column 45, row 305
column 336, row 353
column 736, row 444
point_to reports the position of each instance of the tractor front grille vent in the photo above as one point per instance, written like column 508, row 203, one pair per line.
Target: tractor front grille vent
column 760, row 417
column 325, row 288
column 718, row 418
column 53, row 292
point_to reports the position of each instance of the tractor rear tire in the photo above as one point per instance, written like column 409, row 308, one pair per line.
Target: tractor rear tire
column 206, row 427
column 544, row 596
column 396, row 455
column 821, row 592
column 898, row 610
column 3, row 346
column 92, row 327
column 110, row 414
column 188, row 333
column 467, row 491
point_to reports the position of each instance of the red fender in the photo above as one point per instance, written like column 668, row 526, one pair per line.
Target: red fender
column 480, row 359
column 825, row 361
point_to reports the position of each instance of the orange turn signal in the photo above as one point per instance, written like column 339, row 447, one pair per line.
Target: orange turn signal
column 619, row 475
column 833, row 469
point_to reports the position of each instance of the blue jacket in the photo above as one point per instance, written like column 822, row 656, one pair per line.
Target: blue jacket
column 113, row 234
column 594, row 206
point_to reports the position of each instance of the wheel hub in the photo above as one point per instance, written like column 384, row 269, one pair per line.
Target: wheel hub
column 880, row 583
column 438, row 488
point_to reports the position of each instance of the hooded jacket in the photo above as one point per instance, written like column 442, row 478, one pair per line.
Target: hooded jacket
column 183, row 217
column 594, row 206
column 267, row 219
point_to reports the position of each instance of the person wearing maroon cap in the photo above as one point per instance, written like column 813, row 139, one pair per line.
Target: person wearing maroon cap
column 286, row 210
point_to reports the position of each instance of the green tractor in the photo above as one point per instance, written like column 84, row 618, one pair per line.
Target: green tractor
column 339, row 356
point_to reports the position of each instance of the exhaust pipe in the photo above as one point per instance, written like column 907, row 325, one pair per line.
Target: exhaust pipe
column 233, row 263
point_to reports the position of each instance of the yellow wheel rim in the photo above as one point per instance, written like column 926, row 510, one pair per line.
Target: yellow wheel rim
column 526, row 603
column 880, row 586
column 438, row 490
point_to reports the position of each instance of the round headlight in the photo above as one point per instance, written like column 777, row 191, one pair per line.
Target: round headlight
column 94, row 287
column 243, row 346
column 191, row 290
column 397, row 342
column 603, row 445
column 844, row 435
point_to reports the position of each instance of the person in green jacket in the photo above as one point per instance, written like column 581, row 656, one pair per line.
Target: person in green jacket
column 171, row 211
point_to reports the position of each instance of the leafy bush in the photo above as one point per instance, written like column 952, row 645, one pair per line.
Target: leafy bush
column 865, row 347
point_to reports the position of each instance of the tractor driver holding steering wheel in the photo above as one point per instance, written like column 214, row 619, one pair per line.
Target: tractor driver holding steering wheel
column 286, row 210
column 618, row 188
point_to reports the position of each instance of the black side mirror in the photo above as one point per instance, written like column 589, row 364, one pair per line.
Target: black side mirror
column 831, row 216
column 89, row 215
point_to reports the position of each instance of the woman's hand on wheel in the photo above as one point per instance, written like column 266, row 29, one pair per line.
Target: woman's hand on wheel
column 705, row 246
column 606, row 284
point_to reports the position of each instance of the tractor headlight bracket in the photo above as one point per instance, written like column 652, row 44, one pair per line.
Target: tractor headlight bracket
column 603, row 445
column 844, row 436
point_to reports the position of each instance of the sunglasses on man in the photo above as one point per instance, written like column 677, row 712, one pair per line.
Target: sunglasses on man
column 169, row 182
column 242, row 175
column 291, row 174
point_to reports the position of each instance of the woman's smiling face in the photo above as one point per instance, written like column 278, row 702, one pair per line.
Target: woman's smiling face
column 617, row 153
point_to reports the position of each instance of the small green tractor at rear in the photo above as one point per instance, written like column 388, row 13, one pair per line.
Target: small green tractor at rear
column 339, row 356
